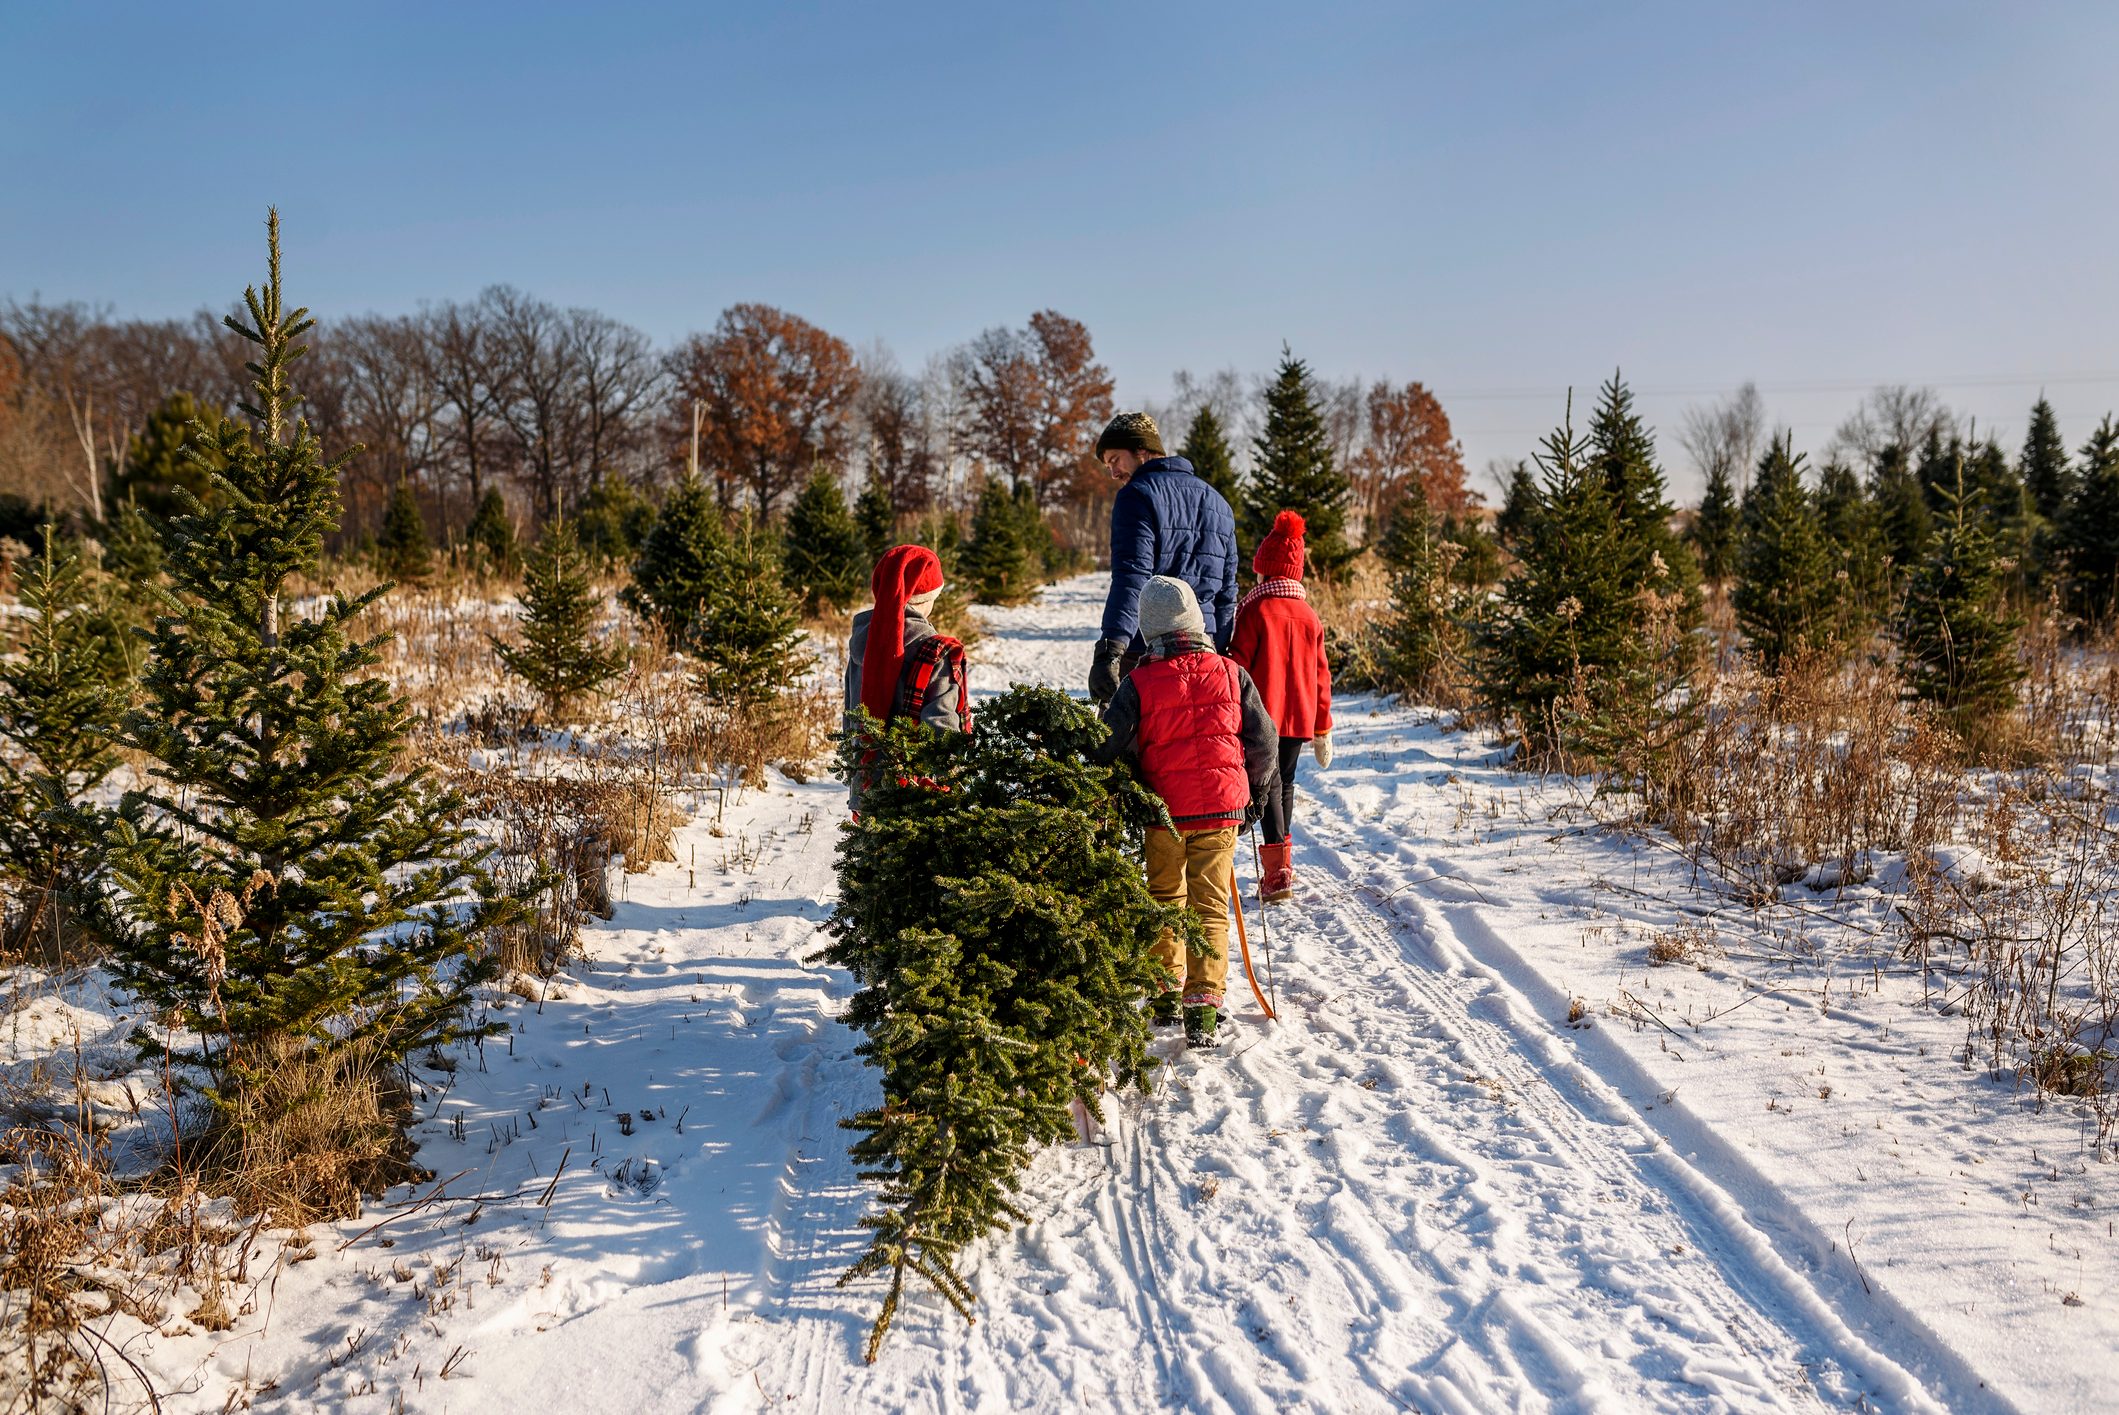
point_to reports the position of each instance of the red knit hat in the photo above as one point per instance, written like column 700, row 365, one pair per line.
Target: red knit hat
column 1279, row 555
column 904, row 571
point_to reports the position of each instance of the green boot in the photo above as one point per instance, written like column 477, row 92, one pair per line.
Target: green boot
column 1162, row 1009
column 1199, row 1026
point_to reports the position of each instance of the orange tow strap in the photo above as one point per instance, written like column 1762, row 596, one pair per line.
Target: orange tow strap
column 1243, row 941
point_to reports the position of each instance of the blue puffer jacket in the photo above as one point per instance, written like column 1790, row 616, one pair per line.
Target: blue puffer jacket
column 1166, row 521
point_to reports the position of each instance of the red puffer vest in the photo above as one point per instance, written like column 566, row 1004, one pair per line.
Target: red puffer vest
column 1191, row 738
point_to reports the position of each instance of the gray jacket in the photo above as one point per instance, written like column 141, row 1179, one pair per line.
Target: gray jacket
column 944, row 709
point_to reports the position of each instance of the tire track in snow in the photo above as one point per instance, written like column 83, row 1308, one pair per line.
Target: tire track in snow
column 1563, row 1086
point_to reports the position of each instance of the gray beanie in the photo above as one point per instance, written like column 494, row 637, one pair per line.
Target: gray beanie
column 1168, row 606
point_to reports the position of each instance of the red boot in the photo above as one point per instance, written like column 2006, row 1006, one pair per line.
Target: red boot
column 1279, row 880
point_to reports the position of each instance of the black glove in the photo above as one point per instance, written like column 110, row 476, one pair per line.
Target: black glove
column 1253, row 814
column 1103, row 672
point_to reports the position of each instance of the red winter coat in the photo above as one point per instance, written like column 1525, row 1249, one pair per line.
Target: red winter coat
column 1280, row 643
column 1194, row 725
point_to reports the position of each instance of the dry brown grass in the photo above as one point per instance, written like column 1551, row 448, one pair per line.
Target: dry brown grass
column 2010, row 909
column 310, row 1131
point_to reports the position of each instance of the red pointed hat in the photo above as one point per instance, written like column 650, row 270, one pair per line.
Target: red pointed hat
column 904, row 571
column 1279, row 555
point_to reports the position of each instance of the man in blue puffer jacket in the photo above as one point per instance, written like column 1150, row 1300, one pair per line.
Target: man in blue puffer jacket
column 1165, row 521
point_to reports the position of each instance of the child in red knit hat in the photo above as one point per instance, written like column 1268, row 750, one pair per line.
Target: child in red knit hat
column 897, row 665
column 1280, row 643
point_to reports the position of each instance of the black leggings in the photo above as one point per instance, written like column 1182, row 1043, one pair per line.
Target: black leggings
column 1280, row 801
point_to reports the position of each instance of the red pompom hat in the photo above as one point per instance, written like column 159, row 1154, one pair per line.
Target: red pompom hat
column 904, row 571
column 1279, row 555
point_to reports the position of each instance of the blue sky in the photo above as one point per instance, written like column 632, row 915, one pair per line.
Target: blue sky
column 1499, row 200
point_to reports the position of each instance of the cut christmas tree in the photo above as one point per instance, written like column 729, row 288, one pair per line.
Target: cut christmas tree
column 993, row 910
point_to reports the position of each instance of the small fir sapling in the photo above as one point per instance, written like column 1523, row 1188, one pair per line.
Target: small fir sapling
column 1213, row 459
column 489, row 536
column 1423, row 639
column 750, row 637
column 2089, row 526
column 826, row 560
column 1000, row 560
column 559, row 656
column 59, row 709
column 403, row 550
column 1294, row 471
column 1790, row 586
column 1956, row 638
column 674, row 575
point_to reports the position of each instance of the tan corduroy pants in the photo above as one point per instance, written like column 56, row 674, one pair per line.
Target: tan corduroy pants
column 1196, row 868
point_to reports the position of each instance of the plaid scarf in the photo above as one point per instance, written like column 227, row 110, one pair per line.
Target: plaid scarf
column 1271, row 589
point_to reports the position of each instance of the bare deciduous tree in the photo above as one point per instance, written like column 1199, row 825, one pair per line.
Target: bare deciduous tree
column 1726, row 437
column 1892, row 416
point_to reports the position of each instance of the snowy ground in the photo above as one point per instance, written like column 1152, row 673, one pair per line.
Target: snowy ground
column 1766, row 1182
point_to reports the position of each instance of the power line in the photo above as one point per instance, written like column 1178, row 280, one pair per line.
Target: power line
column 1846, row 385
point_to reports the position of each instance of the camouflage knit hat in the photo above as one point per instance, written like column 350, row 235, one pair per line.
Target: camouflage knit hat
column 1131, row 432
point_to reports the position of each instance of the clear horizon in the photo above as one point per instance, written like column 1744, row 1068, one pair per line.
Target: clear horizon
column 1499, row 205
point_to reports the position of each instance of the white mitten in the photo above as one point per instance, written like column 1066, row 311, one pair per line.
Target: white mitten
column 1321, row 748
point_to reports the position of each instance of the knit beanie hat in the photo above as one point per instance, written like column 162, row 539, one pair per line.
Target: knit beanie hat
column 903, row 572
column 1279, row 555
column 1168, row 606
column 1131, row 432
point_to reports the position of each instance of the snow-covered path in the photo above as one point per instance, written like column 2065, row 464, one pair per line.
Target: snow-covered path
column 1421, row 1189
column 1404, row 1195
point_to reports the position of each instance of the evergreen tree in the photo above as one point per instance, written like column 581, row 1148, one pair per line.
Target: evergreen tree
column 132, row 545
column 1423, row 640
column 1478, row 553
column 1714, row 529
column 614, row 521
column 1854, row 526
column 827, row 561
column 559, row 657
column 157, row 474
column 1570, row 619
column 1789, row 588
column 1519, row 507
column 674, row 575
column 59, row 711
column 1622, row 451
column 403, row 551
column 750, row 637
column 2046, row 473
column 878, row 520
column 996, row 561
column 1902, row 509
column 1956, row 641
column 280, row 888
column 1293, row 471
column 2089, row 526
column 1207, row 449
column 490, row 535
column 991, row 910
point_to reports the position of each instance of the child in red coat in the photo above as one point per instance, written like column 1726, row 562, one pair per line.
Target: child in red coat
column 1280, row 643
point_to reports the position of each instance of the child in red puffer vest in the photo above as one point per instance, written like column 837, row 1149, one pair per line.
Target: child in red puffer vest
column 1280, row 641
column 1192, row 723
